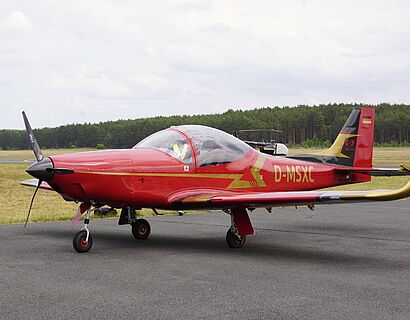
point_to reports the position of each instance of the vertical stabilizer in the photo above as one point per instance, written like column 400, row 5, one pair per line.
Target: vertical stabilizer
column 353, row 146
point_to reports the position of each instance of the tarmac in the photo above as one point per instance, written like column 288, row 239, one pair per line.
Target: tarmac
column 338, row 262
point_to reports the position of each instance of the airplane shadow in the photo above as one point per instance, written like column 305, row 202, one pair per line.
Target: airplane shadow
column 108, row 241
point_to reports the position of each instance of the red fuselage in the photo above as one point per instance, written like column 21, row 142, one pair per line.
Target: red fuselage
column 149, row 177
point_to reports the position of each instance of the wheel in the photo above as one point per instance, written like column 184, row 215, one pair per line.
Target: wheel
column 234, row 241
column 141, row 229
column 80, row 243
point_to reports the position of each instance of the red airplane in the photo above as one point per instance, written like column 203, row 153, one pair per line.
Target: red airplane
column 198, row 167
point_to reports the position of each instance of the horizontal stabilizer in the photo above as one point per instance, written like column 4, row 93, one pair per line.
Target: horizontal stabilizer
column 403, row 170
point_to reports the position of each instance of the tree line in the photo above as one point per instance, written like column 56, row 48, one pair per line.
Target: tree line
column 303, row 125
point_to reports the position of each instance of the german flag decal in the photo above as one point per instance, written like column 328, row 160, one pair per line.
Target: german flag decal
column 366, row 120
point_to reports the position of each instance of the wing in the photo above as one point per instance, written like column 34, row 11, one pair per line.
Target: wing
column 34, row 183
column 212, row 199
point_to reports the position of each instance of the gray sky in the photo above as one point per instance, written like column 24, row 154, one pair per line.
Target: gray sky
column 90, row 61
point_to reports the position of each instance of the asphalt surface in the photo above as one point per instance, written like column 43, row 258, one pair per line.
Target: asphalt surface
column 339, row 262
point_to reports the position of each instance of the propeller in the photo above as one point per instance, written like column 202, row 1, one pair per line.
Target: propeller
column 43, row 169
column 39, row 156
column 32, row 201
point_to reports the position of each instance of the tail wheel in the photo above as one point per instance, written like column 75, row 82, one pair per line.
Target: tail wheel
column 234, row 241
column 141, row 229
column 80, row 242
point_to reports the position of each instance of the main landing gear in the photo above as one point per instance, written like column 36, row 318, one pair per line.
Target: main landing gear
column 234, row 239
column 241, row 226
column 140, row 228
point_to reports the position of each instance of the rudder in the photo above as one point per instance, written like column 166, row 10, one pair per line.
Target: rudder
column 353, row 146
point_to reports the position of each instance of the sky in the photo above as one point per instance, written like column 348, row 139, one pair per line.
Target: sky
column 91, row 61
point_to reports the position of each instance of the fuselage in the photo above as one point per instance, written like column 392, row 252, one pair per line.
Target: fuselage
column 185, row 158
column 148, row 177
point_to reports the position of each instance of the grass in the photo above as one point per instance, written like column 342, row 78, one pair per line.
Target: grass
column 49, row 206
column 28, row 154
column 15, row 199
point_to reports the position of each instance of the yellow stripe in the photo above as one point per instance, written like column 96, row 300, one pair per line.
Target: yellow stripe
column 237, row 183
column 337, row 146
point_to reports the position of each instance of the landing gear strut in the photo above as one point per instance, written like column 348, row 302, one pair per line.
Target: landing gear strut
column 82, row 241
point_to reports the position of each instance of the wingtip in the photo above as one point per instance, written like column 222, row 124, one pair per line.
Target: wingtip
column 377, row 195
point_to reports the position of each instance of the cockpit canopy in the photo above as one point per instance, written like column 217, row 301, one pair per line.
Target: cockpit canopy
column 212, row 147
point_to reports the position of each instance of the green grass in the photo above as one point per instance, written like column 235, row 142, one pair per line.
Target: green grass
column 49, row 206
column 15, row 199
column 28, row 154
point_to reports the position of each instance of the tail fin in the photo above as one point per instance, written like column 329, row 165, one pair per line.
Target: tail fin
column 353, row 146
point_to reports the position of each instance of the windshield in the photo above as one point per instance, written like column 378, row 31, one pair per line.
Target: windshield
column 213, row 146
column 169, row 141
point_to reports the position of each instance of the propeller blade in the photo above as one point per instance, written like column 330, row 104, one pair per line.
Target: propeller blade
column 32, row 201
column 33, row 140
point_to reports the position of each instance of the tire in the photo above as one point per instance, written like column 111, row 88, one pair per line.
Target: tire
column 80, row 244
column 234, row 241
column 141, row 229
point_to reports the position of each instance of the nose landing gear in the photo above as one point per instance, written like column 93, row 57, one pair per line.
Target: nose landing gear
column 82, row 240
